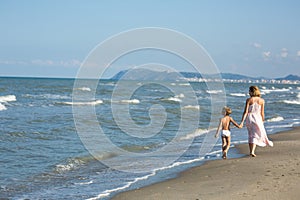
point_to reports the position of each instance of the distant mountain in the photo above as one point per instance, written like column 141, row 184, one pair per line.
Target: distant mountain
column 290, row 78
column 236, row 76
column 146, row 74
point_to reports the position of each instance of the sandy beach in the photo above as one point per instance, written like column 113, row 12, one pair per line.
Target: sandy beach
column 273, row 174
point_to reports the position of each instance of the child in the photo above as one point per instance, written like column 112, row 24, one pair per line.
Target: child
column 225, row 127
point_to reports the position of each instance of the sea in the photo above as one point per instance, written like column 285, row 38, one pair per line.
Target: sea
column 122, row 136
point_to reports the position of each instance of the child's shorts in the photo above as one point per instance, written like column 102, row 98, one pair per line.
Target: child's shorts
column 225, row 133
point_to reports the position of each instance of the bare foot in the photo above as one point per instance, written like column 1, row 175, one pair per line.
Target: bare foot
column 252, row 155
column 224, row 155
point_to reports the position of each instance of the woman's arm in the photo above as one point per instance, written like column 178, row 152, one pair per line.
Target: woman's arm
column 262, row 111
column 245, row 112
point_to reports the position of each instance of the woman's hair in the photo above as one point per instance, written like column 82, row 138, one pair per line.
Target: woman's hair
column 227, row 110
column 254, row 91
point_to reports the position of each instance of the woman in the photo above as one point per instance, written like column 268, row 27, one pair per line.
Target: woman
column 254, row 115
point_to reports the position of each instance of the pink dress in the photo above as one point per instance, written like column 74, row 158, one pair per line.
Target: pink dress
column 255, row 125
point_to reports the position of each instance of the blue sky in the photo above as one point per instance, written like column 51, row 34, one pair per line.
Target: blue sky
column 51, row 38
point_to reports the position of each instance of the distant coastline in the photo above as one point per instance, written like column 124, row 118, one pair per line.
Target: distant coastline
column 149, row 75
column 146, row 74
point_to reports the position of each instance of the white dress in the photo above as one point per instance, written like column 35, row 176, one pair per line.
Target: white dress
column 255, row 125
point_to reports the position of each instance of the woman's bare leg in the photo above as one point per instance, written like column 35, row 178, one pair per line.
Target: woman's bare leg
column 252, row 149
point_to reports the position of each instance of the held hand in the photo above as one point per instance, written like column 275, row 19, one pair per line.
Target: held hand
column 241, row 125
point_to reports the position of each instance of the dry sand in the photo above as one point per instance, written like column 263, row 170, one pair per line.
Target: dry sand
column 273, row 174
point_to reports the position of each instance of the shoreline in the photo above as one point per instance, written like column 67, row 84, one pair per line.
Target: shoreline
column 273, row 174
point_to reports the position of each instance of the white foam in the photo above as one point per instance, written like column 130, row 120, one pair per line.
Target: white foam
column 179, row 96
column 132, row 101
column 70, row 165
column 47, row 96
column 2, row 107
column 273, row 89
column 214, row 91
column 275, row 119
column 54, row 96
column 184, row 84
column 83, row 103
column 194, row 134
column 106, row 193
column 173, row 99
column 276, row 127
column 238, row 94
column 197, row 107
column 84, row 89
column 84, row 183
column 297, row 101
column 110, row 84
column 292, row 102
column 7, row 98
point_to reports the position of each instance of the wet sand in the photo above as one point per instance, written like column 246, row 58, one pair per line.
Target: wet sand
column 273, row 174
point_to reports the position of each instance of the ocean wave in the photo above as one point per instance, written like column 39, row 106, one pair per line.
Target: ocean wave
column 275, row 119
column 180, row 96
column 273, row 89
column 96, row 102
column 75, row 163
column 131, row 101
column 7, row 98
column 47, row 96
column 184, row 84
column 176, row 98
column 238, row 94
column 173, row 99
column 106, row 193
column 110, row 84
column 2, row 107
column 197, row 107
column 84, row 183
column 84, row 89
column 55, row 96
column 70, row 165
column 196, row 133
column 214, row 91
column 137, row 148
column 276, row 127
column 297, row 102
